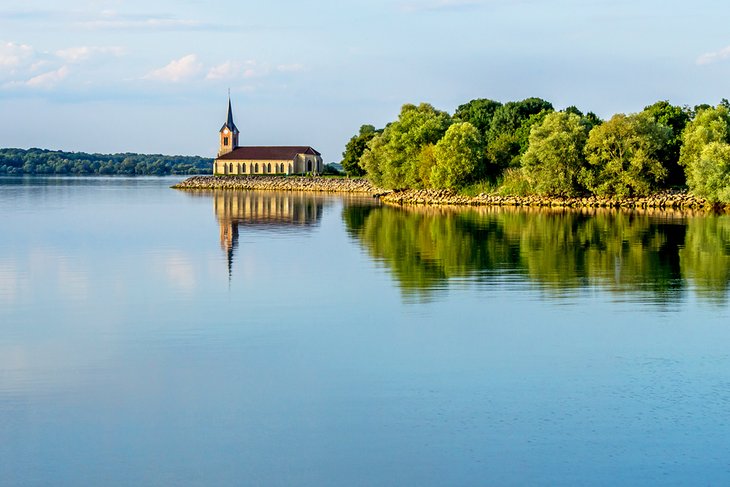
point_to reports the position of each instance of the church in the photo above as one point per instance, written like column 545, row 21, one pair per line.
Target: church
column 241, row 160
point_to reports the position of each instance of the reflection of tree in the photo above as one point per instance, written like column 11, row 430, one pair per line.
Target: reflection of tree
column 705, row 257
column 559, row 249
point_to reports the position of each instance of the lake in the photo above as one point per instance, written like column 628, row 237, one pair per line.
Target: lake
column 150, row 336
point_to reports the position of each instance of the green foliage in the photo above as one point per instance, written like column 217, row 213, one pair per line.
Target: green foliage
column 676, row 118
column 623, row 154
column 510, row 129
column 514, row 183
column 391, row 159
column 555, row 157
column 355, row 149
column 457, row 155
column 477, row 112
column 705, row 154
column 40, row 161
column 330, row 170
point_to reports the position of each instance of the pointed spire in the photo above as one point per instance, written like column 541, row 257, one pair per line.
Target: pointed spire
column 229, row 119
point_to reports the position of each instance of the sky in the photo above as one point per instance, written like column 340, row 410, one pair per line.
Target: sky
column 153, row 76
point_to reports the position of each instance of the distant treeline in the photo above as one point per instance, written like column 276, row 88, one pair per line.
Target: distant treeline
column 527, row 147
column 41, row 161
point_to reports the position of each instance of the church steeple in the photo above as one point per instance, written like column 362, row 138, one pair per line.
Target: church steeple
column 228, row 133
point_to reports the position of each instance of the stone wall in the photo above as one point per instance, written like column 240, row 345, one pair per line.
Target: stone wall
column 665, row 199
column 280, row 183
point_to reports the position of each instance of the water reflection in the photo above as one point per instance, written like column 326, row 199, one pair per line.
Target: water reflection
column 262, row 211
column 657, row 254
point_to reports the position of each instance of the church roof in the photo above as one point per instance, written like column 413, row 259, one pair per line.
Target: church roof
column 268, row 153
column 229, row 121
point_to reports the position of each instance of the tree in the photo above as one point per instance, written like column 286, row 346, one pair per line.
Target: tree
column 477, row 112
column 676, row 118
column 457, row 155
column 705, row 154
column 355, row 149
column 555, row 157
column 623, row 154
column 392, row 158
column 510, row 128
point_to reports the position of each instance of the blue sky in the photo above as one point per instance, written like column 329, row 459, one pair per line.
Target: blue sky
column 152, row 76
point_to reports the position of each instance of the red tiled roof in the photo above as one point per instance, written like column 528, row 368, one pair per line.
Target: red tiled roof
column 268, row 153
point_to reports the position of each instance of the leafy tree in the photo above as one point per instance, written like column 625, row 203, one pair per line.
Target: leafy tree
column 555, row 157
column 391, row 159
column 705, row 154
column 510, row 128
column 477, row 112
column 676, row 118
column 458, row 155
column 355, row 149
column 623, row 154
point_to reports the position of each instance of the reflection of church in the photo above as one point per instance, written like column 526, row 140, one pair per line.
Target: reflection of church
column 262, row 211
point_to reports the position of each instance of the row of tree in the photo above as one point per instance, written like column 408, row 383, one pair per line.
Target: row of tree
column 526, row 147
column 40, row 161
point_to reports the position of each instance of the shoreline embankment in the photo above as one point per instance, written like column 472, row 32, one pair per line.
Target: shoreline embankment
column 669, row 199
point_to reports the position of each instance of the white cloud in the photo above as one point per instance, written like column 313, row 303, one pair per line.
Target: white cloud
column 185, row 68
column 225, row 71
column 84, row 53
column 13, row 55
column 712, row 57
column 49, row 79
column 235, row 70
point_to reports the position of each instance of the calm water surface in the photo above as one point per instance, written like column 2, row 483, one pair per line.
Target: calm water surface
column 155, row 337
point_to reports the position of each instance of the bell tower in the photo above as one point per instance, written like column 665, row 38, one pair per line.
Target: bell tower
column 228, row 133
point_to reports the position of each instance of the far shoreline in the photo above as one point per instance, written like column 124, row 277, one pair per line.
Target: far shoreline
column 667, row 199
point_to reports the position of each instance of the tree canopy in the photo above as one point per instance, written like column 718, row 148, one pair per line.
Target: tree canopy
column 392, row 157
column 555, row 158
column 705, row 154
column 41, row 161
column 623, row 154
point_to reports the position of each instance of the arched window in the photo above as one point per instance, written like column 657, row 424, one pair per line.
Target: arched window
column 257, row 168
column 230, row 167
column 238, row 168
column 268, row 168
column 290, row 168
column 244, row 168
column 282, row 167
column 309, row 166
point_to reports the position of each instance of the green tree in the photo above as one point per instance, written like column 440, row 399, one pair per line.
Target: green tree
column 355, row 149
column 676, row 118
column 392, row 158
column 705, row 154
column 623, row 154
column 477, row 112
column 510, row 129
column 555, row 157
column 457, row 155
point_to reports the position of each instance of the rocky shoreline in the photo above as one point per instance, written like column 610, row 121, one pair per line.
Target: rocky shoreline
column 279, row 183
column 661, row 200
column 680, row 200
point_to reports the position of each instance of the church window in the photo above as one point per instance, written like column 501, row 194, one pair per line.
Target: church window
column 268, row 169
column 230, row 167
column 289, row 168
column 282, row 167
column 225, row 141
column 244, row 167
column 309, row 166
column 257, row 167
